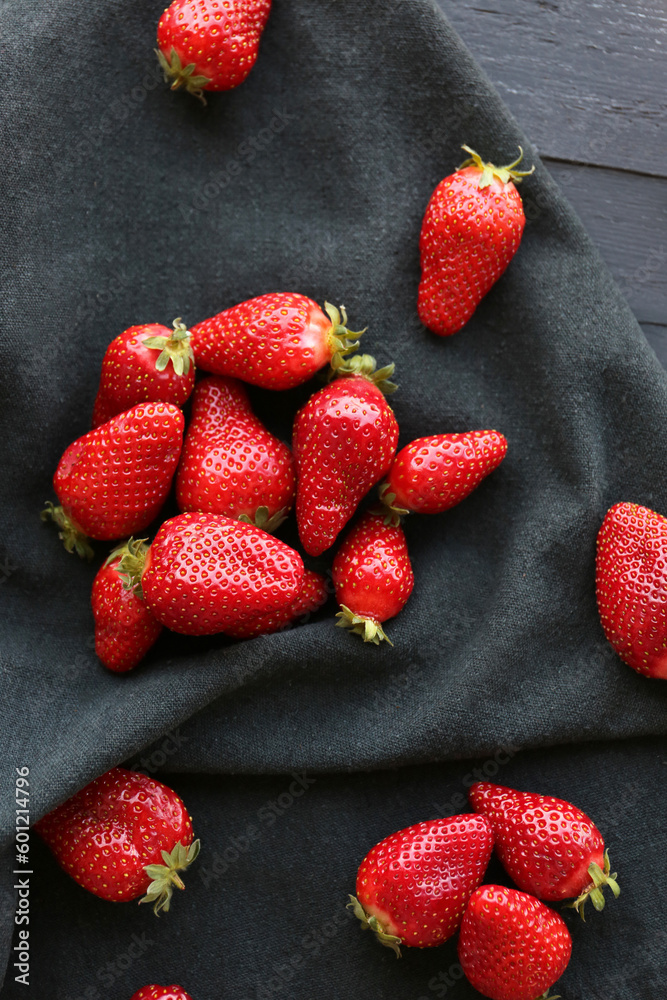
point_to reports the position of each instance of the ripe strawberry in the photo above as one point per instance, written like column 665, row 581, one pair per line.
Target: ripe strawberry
column 121, row 836
column 435, row 473
column 631, row 584
column 124, row 627
column 311, row 597
column 344, row 440
column 372, row 576
column 210, row 44
column 412, row 887
column 548, row 847
column 161, row 993
column 205, row 573
column 113, row 481
column 133, row 373
column 230, row 464
column 511, row 946
column 275, row 341
column 471, row 230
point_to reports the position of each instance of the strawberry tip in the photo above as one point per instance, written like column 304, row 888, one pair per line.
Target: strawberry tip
column 373, row 924
column 489, row 170
column 175, row 348
column 178, row 75
column 165, row 877
column 365, row 366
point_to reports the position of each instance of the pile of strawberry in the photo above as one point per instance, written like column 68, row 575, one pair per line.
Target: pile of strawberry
column 216, row 567
column 417, row 887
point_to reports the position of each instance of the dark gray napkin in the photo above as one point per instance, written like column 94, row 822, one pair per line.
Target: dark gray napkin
column 125, row 204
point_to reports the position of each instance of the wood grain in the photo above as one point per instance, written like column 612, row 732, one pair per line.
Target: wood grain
column 587, row 80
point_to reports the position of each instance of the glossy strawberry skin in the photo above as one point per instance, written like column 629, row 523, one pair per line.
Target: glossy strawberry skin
column 205, row 573
column 468, row 238
column 107, row 833
column 432, row 474
column 544, row 844
column 221, row 38
column 113, row 481
column 276, row 341
column 230, row 463
column 130, row 376
column 631, row 586
column 153, row 992
column 372, row 572
column 416, row 883
column 311, row 597
column 511, row 946
column 344, row 441
column 124, row 627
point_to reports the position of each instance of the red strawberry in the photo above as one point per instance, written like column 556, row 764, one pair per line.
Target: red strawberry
column 230, row 463
column 113, row 481
column 205, row 573
column 121, row 836
column 372, row 576
column 471, row 230
column 511, row 946
column 344, row 441
column 124, row 627
column 413, row 886
column 312, row 596
column 210, row 44
column 547, row 846
column 435, row 473
column 275, row 341
column 161, row 993
column 631, row 583
column 133, row 372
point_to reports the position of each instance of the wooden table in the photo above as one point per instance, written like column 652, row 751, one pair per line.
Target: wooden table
column 587, row 81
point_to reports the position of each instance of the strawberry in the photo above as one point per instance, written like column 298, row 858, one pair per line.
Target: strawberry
column 121, row 836
column 230, row 463
column 276, row 341
column 133, row 373
column 372, row 576
column 205, row 573
column 631, row 584
column 548, row 847
column 311, row 597
column 435, row 473
column 412, row 887
column 124, row 627
column 161, row 993
column 113, row 481
column 210, row 44
column 511, row 946
column 344, row 441
column 471, row 230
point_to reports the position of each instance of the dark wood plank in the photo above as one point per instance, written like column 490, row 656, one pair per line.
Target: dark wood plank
column 587, row 81
column 626, row 216
column 656, row 335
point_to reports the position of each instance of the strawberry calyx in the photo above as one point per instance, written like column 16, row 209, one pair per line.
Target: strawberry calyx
column 70, row 534
column 600, row 878
column 369, row 629
column 365, row 366
column 132, row 555
column 489, row 171
column 178, row 75
column 373, row 924
column 263, row 521
column 165, row 877
column 392, row 513
column 341, row 340
column 176, row 349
